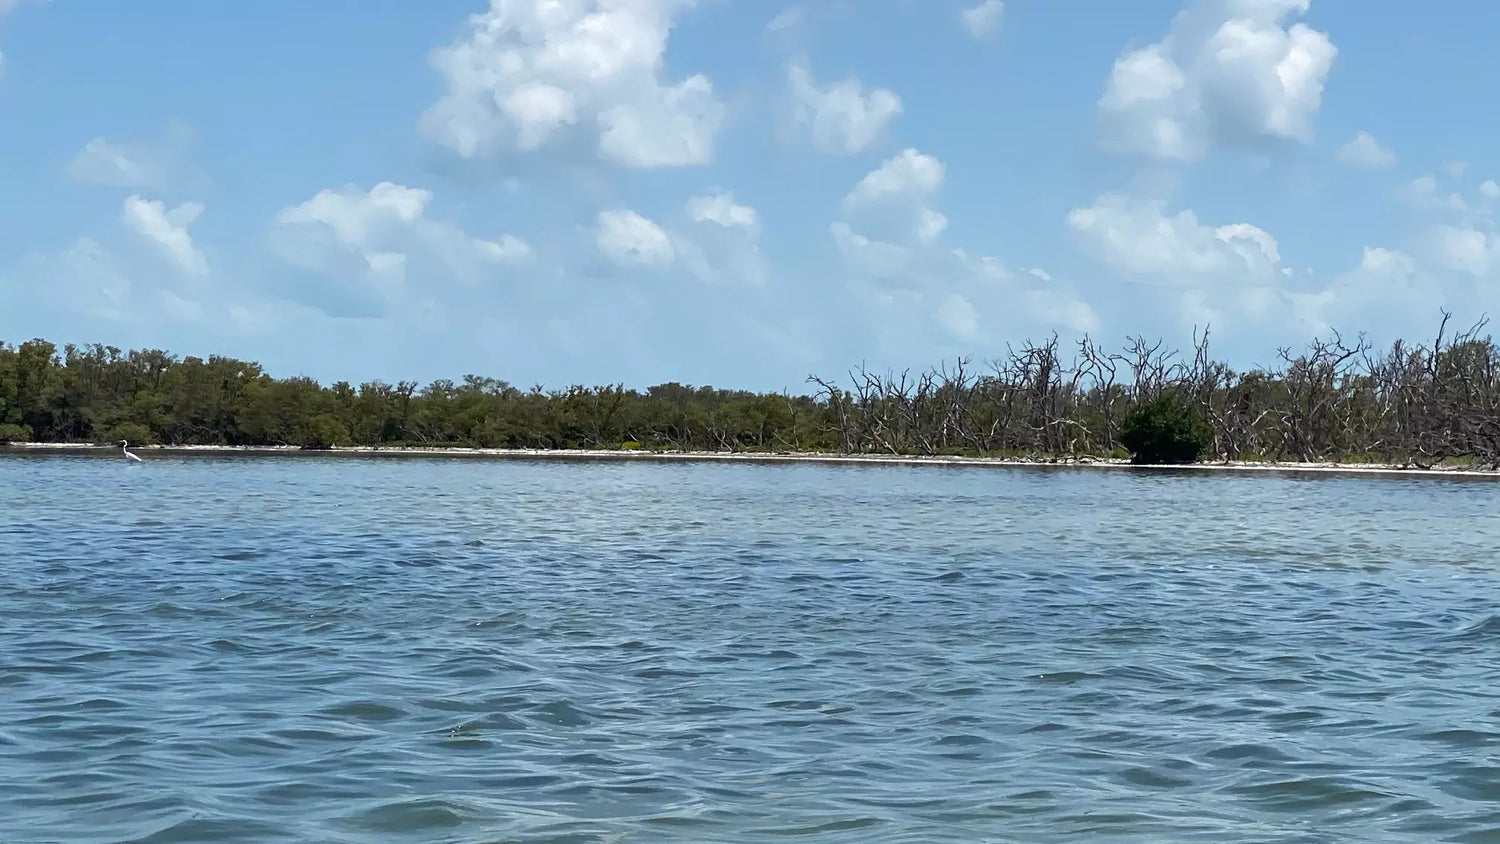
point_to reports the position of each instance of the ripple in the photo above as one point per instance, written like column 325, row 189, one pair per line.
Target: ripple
column 410, row 816
column 339, row 650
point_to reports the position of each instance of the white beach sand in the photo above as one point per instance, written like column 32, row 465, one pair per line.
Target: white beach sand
column 769, row 457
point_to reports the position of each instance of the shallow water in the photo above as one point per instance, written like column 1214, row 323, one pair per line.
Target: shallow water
column 335, row 649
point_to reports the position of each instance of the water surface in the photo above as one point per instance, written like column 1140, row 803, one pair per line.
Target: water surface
column 332, row 649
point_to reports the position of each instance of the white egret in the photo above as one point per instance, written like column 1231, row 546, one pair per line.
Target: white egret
column 125, row 448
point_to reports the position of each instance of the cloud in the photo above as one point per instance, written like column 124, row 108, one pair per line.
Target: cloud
column 1225, row 275
column 722, row 210
column 85, row 278
column 952, row 303
column 1388, row 287
column 1458, row 233
column 90, row 280
column 958, row 315
column 787, row 19
column 508, row 249
column 984, row 19
column 1467, row 250
column 886, row 219
column 890, row 236
column 1389, row 277
column 1364, row 151
column 167, row 230
column 843, row 118
column 713, row 239
column 1229, row 72
column 104, row 163
column 368, row 242
column 1137, row 237
column 720, row 241
column 1454, row 247
column 1032, row 297
column 157, row 164
column 1422, row 193
column 1234, row 278
column 629, row 239
column 530, row 73
column 6, row 7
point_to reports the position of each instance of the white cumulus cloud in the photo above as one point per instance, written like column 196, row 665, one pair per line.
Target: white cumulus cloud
column 529, row 72
column 1364, row 151
column 844, row 117
column 1467, row 250
column 1233, row 275
column 984, row 19
column 167, row 230
column 1230, row 72
column 714, row 239
column 722, row 210
column 890, row 235
column 375, row 239
column 721, row 240
column 1388, row 287
column 1458, row 238
column 1139, row 237
column 886, row 219
column 629, row 239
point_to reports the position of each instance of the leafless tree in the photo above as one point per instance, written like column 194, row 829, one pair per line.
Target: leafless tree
column 1336, row 398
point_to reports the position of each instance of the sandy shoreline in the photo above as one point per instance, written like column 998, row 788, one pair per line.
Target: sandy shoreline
column 752, row 457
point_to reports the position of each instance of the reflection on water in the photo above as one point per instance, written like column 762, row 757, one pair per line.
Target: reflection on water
column 212, row 649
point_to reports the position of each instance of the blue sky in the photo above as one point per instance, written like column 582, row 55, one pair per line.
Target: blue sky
column 737, row 193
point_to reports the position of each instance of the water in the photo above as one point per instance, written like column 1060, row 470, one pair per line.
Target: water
column 335, row 649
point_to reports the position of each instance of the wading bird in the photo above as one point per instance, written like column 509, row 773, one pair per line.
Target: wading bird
column 125, row 448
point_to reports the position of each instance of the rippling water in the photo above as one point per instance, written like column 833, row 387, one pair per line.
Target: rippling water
column 335, row 649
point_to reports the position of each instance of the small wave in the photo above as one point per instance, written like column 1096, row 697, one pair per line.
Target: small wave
column 962, row 740
column 1486, row 628
column 1250, row 752
column 364, row 710
column 1067, row 677
column 1153, row 778
column 407, row 817
column 1459, row 737
column 563, row 713
column 1307, row 793
column 819, row 829
column 196, row 830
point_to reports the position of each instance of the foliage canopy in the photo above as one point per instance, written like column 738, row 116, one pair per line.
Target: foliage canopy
column 1413, row 403
column 1165, row 430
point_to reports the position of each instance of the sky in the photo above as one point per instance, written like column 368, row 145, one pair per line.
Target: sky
column 739, row 193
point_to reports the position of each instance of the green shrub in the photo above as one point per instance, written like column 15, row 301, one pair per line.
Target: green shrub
column 14, row 434
column 630, row 445
column 1165, row 430
column 322, row 433
column 135, row 432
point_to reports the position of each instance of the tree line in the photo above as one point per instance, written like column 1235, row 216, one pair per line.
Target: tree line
column 1411, row 403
